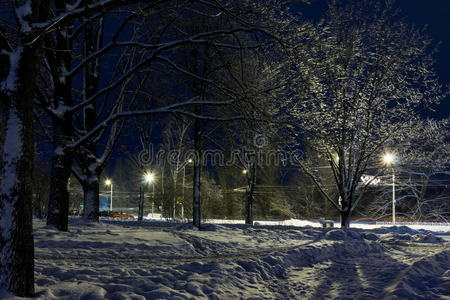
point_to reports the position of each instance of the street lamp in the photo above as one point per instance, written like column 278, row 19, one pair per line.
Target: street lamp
column 389, row 159
column 150, row 178
column 109, row 183
column 189, row 161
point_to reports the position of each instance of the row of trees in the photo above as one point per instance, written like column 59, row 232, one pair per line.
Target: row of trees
column 79, row 81
column 279, row 193
column 193, row 75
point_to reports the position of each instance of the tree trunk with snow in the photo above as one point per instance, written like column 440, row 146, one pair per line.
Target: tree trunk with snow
column 196, row 212
column 196, row 203
column 141, row 203
column 90, row 165
column 4, row 61
column 17, row 94
column 58, row 55
column 16, row 240
column 345, row 218
column 91, row 199
column 58, row 205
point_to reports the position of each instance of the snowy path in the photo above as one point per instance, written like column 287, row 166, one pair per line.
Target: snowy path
column 124, row 261
column 370, row 276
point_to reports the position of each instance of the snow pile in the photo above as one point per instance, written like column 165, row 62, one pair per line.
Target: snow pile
column 428, row 278
column 124, row 260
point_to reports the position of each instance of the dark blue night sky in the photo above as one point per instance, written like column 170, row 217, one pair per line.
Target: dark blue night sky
column 435, row 14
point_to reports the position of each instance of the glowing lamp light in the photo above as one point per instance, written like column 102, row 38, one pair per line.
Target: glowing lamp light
column 149, row 177
column 108, row 182
column 388, row 158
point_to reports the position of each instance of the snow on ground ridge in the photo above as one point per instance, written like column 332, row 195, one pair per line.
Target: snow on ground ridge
column 121, row 260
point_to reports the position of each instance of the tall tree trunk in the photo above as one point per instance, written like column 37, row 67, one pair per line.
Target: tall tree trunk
column 91, row 198
column 60, row 60
column 87, row 153
column 141, row 203
column 196, row 195
column 346, row 207
column 345, row 211
column 175, row 190
column 17, row 94
column 251, row 179
column 4, row 108
column 16, row 229
column 16, row 241
column 197, row 168
column 5, row 101
column 345, row 218
column 58, row 204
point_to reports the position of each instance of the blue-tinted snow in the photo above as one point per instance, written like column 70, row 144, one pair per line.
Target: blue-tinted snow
column 163, row 260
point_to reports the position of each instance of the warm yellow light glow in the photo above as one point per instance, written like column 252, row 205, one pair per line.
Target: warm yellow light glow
column 244, row 171
column 336, row 157
column 190, row 160
column 108, row 182
column 388, row 158
column 149, row 177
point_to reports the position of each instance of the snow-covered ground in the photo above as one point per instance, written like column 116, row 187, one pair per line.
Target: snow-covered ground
column 435, row 227
column 160, row 260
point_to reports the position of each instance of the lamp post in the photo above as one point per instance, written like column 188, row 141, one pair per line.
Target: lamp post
column 182, row 189
column 389, row 160
column 150, row 178
column 153, row 196
column 109, row 182
column 141, row 201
